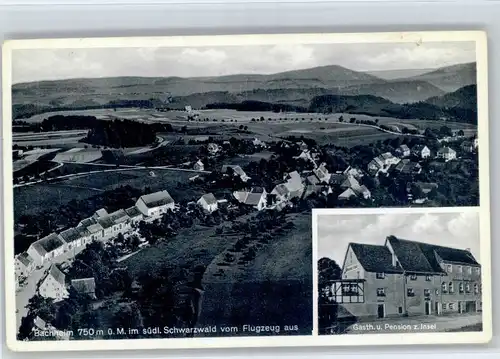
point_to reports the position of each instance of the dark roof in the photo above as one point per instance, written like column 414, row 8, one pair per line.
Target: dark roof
column 119, row 216
column 421, row 257
column 56, row 273
column 105, row 222
column 70, row 235
column 337, row 178
column 48, row 244
column 157, row 199
column 281, row 189
column 133, row 212
column 209, row 198
column 101, row 212
column 25, row 258
column 374, row 258
column 446, row 150
column 84, row 285
column 87, row 222
column 253, row 198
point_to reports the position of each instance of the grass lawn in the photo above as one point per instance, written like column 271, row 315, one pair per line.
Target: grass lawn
column 39, row 197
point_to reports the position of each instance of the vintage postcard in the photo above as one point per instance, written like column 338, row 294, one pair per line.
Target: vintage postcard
column 161, row 190
column 399, row 271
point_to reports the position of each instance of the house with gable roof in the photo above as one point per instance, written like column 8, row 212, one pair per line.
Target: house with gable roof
column 24, row 264
column 47, row 248
column 403, row 151
column 208, row 202
column 53, row 285
column 447, row 153
column 237, row 171
column 155, row 204
column 85, row 286
column 256, row 197
column 405, row 278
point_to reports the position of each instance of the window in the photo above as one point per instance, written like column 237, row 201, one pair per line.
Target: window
column 400, row 310
column 410, row 292
column 459, row 269
column 413, row 277
column 449, row 268
column 450, row 306
column 467, row 288
column 450, row 287
column 461, row 287
column 380, row 292
column 428, row 278
column 427, row 292
column 350, row 289
column 478, row 270
column 469, row 270
column 437, row 291
column 476, row 289
column 380, row 275
column 444, row 287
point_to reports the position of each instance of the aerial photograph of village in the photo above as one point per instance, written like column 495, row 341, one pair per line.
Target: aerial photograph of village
column 167, row 192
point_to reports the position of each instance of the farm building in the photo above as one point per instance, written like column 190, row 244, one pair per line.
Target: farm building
column 134, row 214
column 199, row 166
column 24, row 264
column 75, row 238
column 294, row 184
column 236, row 171
column 155, row 204
column 403, row 151
column 281, row 193
column 408, row 167
column 46, row 248
column 447, row 153
column 421, row 151
column 85, row 286
column 53, row 285
column 208, row 202
column 256, row 197
column 467, row 146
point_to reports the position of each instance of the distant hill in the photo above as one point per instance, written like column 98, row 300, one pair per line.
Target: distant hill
column 465, row 97
column 450, row 78
column 294, row 88
column 399, row 91
column 399, row 73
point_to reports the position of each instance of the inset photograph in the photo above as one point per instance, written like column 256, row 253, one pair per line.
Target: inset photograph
column 402, row 271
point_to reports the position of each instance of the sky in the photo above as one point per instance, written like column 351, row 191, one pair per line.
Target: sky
column 457, row 230
column 54, row 64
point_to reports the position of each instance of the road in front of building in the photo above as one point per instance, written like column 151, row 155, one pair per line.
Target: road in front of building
column 28, row 289
column 418, row 324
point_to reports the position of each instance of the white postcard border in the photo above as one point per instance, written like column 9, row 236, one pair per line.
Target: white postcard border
column 272, row 341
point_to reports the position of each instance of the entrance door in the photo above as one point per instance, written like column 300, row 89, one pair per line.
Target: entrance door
column 381, row 311
column 438, row 308
column 427, row 308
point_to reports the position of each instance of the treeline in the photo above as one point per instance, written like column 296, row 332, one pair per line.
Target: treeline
column 256, row 106
column 20, row 111
column 124, row 133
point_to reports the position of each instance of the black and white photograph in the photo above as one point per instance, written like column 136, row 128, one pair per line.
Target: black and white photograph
column 163, row 188
column 399, row 272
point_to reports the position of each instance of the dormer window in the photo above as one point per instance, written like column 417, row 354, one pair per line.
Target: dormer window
column 380, row 275
column 413, row 277
column 449, row 268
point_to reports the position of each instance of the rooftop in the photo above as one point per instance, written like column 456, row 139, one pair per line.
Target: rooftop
column 57, row 274
column 209, row 198
column 157, row 199
column 25, row 258
column 374, row 258
column 133, row 212
column 84, row 285
column 48, row 244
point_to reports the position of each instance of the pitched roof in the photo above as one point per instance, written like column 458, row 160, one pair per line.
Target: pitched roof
column 376, row 161
column 157, row 199
column 350, row 182
column 446, row 150
column 84, row 285
column 419, row 148
column 253, row 198
column 404, row 148
column 348, row 193
column 39, row 323
column 105, row 222
column 374, row 258
column 421, row 257
column 313, row 180
column 294, row 182
column 101, row 212
column 337, row 178
column 133, row 212
column 119, row 216
column 56, row 273
column 386, row 156
column 48, row 244
column 25, row 258
column 70, row 235
column 94, row 228
column 87, row 222
column 281, row 189
column 209, row 198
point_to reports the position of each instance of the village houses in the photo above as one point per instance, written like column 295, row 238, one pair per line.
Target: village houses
column 155, row 204
column 382, row 163
column 208, row 202
column 53, row 285
column 403, row 151
column 255, row 197
column 24, row 264
column 236, row 171
column 46, row 249
column 84, row 286
column 199, row 166
column 421, row 151
column 447, row 154
column 467, row 146
column 405, row 278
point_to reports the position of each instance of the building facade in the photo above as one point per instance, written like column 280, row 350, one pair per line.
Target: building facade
column 406, row 278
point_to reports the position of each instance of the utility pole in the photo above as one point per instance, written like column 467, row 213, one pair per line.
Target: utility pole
column 405, row 310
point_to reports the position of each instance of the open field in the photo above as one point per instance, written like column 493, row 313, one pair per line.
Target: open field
column 54, row 138
column 44, row 196
column 273, row 289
